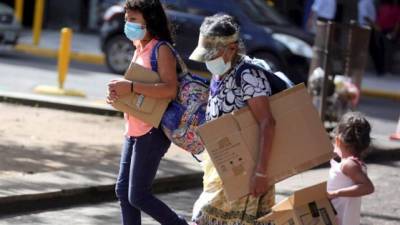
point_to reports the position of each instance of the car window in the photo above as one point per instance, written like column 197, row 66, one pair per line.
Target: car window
column 175, row 5
column 6, row 14
column 204, row 8
column 260, row 12
column 5, row 9
column 200, row 12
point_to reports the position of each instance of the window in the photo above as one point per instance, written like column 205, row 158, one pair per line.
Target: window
column 260, row 12
column 204, row 8
column 175, row 5
column 200, row 12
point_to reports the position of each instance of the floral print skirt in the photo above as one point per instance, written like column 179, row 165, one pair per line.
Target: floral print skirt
column 212, row 207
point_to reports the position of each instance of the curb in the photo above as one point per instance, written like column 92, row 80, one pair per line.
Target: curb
column 89, row 195
column 383, row 143
column 98, row 59
column 63, row 104
column 381, row 94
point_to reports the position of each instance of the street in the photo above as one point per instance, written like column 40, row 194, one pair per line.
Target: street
column 35, row 141
column 380, row 208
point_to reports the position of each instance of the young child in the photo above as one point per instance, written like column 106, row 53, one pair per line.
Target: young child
column 348, row 179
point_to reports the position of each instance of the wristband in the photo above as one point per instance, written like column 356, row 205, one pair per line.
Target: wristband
column 261, row 174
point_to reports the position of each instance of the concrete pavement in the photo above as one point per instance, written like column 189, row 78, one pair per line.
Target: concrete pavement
column 43, row 191
column 374, row 209
column 45, row 166
column 84, row 48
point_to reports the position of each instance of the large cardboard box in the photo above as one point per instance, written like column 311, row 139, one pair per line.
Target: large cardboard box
column 149, row 110
column 300, row 142
column 309, row 206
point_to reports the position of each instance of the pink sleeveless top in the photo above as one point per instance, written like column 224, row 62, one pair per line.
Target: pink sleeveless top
column 134, row 126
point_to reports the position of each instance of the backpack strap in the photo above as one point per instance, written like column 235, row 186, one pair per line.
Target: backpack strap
column 154, row 57
column 275, row 82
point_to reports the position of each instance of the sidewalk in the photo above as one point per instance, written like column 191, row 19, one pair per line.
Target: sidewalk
column 46, row 165
column 93, row 183
column 381, row 87
column 86, row 48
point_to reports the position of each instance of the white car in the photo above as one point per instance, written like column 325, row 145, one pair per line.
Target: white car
column 10, row 28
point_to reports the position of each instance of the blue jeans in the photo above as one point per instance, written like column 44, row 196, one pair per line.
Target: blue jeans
column 140, row 159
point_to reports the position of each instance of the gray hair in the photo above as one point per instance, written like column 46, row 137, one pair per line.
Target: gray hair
column 221, row 25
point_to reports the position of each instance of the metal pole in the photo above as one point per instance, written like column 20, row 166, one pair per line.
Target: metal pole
column 19, row 10
column 64, row 56
column 93, row 14
column 326, row 68
column 38, row 21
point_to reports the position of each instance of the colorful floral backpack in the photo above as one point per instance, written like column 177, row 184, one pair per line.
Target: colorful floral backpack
column 187, row 111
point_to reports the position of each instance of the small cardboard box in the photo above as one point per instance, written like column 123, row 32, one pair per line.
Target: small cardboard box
column 300, row 142
column 149, row 110
column 308, row 206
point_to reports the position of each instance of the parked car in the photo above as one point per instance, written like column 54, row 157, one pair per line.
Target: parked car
column 9, row 26
column 266, row 34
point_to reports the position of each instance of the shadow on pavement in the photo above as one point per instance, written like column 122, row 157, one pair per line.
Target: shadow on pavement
column 385, row 157
column 381, row 216
column 66, row 174
column 69, row 156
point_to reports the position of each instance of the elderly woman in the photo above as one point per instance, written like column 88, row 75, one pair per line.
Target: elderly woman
column 233, row 86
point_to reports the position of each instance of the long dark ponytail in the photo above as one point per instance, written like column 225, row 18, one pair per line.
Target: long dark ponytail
column 156, row 20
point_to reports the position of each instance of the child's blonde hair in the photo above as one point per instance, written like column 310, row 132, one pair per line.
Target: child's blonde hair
column 354, row 131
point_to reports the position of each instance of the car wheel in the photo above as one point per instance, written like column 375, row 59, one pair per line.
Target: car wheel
column 271, row 60
column 119, row 51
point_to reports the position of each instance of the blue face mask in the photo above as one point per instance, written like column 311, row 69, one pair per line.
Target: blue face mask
column 134, row 31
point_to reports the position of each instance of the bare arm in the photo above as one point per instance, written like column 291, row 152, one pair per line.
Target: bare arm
column 310, row 20
column 167, row 88
column 372, row 24
column 363, row 185
column 394, row 35
column 167, row 71
column 261, row 110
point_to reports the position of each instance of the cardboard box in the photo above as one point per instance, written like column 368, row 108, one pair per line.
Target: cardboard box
column 300, row 142
column 309, row 206
column 149, row 110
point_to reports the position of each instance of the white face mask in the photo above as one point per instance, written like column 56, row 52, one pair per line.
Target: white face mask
column 218, row 66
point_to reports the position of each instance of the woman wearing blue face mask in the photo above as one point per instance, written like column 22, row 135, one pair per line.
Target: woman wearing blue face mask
column 234, row 85
column 146, row 25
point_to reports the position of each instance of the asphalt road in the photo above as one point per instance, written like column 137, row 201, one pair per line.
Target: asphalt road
column 380, row 208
